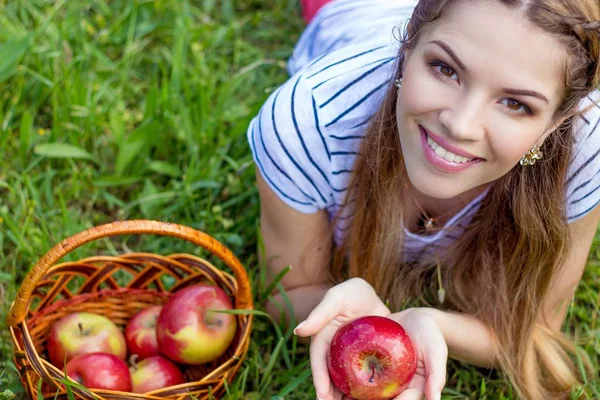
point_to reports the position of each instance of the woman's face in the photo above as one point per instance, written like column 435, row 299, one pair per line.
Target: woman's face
column 479, row 90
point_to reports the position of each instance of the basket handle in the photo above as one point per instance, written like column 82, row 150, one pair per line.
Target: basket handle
column 20, row 305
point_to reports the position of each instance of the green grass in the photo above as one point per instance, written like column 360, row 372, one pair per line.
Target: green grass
column 138, row 109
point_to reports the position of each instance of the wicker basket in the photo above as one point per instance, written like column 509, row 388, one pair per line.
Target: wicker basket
column 51, row 291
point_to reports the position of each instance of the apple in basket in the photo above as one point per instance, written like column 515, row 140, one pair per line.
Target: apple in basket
column 154, row 373
column 190, row 330
column 100, row 371
column 140, row 333
column 371, row 358
column 82, row 332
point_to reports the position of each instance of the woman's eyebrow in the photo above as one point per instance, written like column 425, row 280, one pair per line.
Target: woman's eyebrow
column 524, row 92
column 451, row 53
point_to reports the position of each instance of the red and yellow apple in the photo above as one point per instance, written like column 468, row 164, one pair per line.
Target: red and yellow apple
column 154, row 373
column 81, row 333
column 371, row 358
column 100, row 371
column 140, row 333
column 190, row 330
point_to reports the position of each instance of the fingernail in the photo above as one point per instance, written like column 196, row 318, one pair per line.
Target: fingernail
column 439, row 396
column 300, row 325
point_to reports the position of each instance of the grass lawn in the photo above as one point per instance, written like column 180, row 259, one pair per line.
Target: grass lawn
column 121, row 109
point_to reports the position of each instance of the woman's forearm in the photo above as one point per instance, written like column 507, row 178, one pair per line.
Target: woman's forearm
column 468, row 338
column 303, row 299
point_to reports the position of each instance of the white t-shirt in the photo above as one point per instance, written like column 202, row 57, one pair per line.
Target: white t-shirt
column 306, row 137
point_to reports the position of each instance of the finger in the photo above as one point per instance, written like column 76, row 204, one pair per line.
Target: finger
column 326, row 311
column 436, row 359
column 410, row 394
column 318, row 365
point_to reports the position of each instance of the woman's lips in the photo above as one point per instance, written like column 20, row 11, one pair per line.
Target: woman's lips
column 441, row 163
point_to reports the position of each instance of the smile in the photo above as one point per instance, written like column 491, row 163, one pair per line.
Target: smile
column 445, row 153
column 444, row 159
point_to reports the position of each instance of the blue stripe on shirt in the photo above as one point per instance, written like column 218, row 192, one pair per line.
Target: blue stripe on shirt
column 584, row 184
column 585, row 164
column 346, row 137
column 341, row 171
column 286, row 150
column 584, row 197
column 345, row 72
column 594, row 128
column 299, row 134
column 273, row 183
column 584, row 212
column 360, row 78
column 314, row 106
column 352, row 107
column 273, row 160
column 344, row 60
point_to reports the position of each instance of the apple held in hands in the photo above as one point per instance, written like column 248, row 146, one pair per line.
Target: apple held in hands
column 81, row 333
column 154, row 373
column 371, row 358
column 100, row 371
column 188, row 332
column 140, row 333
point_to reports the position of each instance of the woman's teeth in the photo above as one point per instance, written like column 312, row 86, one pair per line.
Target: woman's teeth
column 448, row 155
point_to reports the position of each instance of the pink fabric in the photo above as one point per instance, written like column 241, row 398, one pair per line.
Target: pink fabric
column 310, row 8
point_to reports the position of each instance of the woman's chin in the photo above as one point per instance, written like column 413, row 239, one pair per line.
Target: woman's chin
column 435, row 189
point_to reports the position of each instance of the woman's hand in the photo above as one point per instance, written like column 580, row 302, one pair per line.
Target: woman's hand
column 432, row 354
column 355, row 298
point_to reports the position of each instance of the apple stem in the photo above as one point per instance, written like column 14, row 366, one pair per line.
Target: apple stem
column 80, row 325
column 371, row 380
column 133, row 361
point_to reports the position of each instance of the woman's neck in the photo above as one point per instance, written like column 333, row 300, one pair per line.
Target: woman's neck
column 439, row 209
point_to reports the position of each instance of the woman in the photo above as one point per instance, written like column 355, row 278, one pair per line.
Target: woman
column 450, row 182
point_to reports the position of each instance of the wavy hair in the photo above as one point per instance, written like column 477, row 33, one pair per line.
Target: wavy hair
column 502, row 266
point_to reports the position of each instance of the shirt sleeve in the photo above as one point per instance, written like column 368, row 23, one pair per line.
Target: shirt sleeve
column 583, row 180
column 289, row 148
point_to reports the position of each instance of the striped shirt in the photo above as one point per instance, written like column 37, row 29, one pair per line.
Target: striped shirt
column 306, row 136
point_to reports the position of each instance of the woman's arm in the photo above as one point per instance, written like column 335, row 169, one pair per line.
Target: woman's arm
column 565, row 283
column 468, row 339
column 300, row 240
column 472, row 341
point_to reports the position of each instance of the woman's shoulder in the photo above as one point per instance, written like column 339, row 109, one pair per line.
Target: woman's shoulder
column 583, row 177
column 349, row 84
column 307, row 133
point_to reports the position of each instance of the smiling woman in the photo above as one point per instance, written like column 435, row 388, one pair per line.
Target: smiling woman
column 463, row 162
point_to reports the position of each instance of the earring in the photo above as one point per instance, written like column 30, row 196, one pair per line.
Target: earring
column 531, row 157
column 398, row 82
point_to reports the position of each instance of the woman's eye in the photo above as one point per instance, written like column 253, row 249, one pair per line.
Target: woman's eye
column 444, row 70
column 447, row 71
column 516, row 106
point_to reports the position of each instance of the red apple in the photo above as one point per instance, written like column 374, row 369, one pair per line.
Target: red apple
column 154, row 373
column 189, row 332
column 100, row 371
column 81, row 333
column 371, row 358
column 140, row 333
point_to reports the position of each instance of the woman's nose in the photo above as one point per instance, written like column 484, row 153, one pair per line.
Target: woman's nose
column 464, row 119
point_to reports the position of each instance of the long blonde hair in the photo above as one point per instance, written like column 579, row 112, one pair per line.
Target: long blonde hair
column 501, row 267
